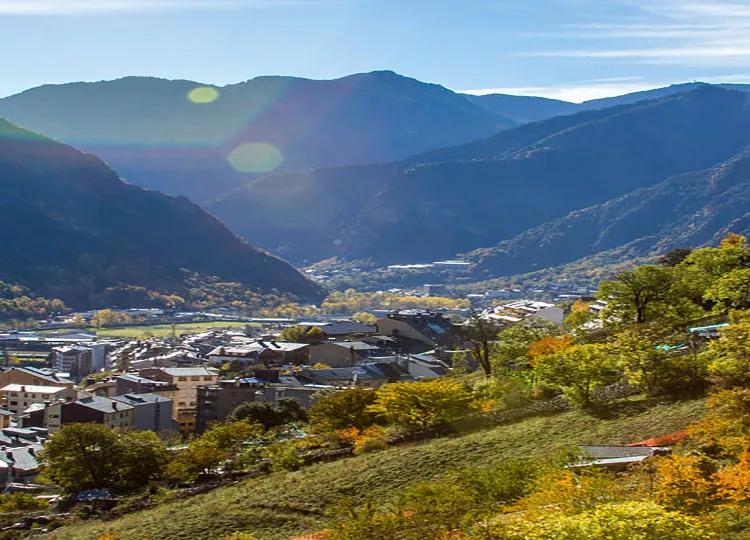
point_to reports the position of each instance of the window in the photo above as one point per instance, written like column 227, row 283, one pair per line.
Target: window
column 14, row 394
column 182, row 378
column 195, row 378
column 181, row 404
column 14, row 403
column 207, row 378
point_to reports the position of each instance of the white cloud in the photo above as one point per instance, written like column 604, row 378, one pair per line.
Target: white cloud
column 685, row 32
column 574, row 92
column 77, row 7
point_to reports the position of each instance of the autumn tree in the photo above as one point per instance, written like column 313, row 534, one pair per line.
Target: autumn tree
column 422, row 404
column 342, row 409
column 206, row 453
column 512, row 349
column 578, row 370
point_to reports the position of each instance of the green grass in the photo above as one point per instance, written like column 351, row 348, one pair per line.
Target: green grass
column 284, row 504
column 162, row 330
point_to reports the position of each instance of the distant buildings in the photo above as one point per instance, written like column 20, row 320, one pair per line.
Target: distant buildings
column 183, row 391
column 17, row 398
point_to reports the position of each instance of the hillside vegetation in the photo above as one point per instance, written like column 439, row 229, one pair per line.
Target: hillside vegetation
column 291, row 503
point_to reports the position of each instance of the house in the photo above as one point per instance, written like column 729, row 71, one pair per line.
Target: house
column 217, row 401
column 343, row 353
column 33, row 377
column 614, row 457
column 425, row 327
column 131, row 383
column 94, row 409
column 19, row 397
column 368, row 375
column 518, row 310
column 338, row 328
column 184, row 382
column 267, row 352
column 5, row 418
column 76, row 360
column 151, row 412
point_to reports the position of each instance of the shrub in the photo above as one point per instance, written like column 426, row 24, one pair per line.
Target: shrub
column 371, row 439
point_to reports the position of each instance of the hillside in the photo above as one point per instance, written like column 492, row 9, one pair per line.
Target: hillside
column 694, row 209
column 278, row 506
column 475, row 195
column 165, row 135
column 71, row 228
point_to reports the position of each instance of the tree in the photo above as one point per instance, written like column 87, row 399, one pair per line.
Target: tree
column 206, row 453
column 630, row 520
column 578, row 370
column 731, row 290
column 86, row 456
column 683, row 482
column 342, row 409
column 365, row 318
column 480, row 334
column 637, row 295
column 512, row 350
column 422, row 404
column 729, row 356
column 704, row 266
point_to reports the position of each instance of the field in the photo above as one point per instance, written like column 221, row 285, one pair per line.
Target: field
column 281, row 505
column 161, row 330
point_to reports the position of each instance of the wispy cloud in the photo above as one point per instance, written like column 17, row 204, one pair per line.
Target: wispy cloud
column 77, row 7
column 577, row 91
column 686, row 32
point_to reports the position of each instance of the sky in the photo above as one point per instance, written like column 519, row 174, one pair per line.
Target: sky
column 566, row 49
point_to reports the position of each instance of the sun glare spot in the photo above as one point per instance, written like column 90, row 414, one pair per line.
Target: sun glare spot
column 257, row 157
column 203, row 94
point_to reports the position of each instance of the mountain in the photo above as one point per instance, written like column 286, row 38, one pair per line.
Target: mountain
column 71, row 228
column 188, row 138
column 523, row 109
column 462, row 198
column 692, row 209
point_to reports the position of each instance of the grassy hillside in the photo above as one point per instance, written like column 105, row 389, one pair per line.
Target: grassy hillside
column 284, row 504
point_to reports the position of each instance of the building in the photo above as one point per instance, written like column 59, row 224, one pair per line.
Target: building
column 76, row 360
column 338, row 328
column 518, row 310
column 217, row 401
column 267, row 352
column 33, row 377
column 369, row 375
column 131, row 383
column 183, row 391
column 151, row 412
column 100, row 410
column 343, row 353
column 19, row 397
column 425, row 327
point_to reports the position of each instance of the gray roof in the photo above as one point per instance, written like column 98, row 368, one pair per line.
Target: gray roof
column 356, row 345
column 190, row 371
column 140, row 399
column 103, row 404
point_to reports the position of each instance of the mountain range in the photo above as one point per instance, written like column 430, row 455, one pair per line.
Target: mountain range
column 72, row 229
column 475, row 195
column 198, row 140
column 411, row 172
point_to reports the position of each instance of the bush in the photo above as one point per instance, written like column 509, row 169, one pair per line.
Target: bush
column 333, row 411
column 284, row 456
column 370, row 439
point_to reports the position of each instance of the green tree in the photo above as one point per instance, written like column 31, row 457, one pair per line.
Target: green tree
column 638, row 295
column 731, row 290
column 85, row 456
column 511, row 351
column 480, row 334
column 205, row 454
column 422, row 404
column 578, row 371
column 729, row 356
column 342, row 409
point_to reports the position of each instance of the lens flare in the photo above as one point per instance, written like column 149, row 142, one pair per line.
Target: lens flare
column 256, row 157
column 203, row 94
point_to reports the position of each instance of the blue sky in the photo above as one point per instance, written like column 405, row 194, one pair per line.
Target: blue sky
column 569, row 49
